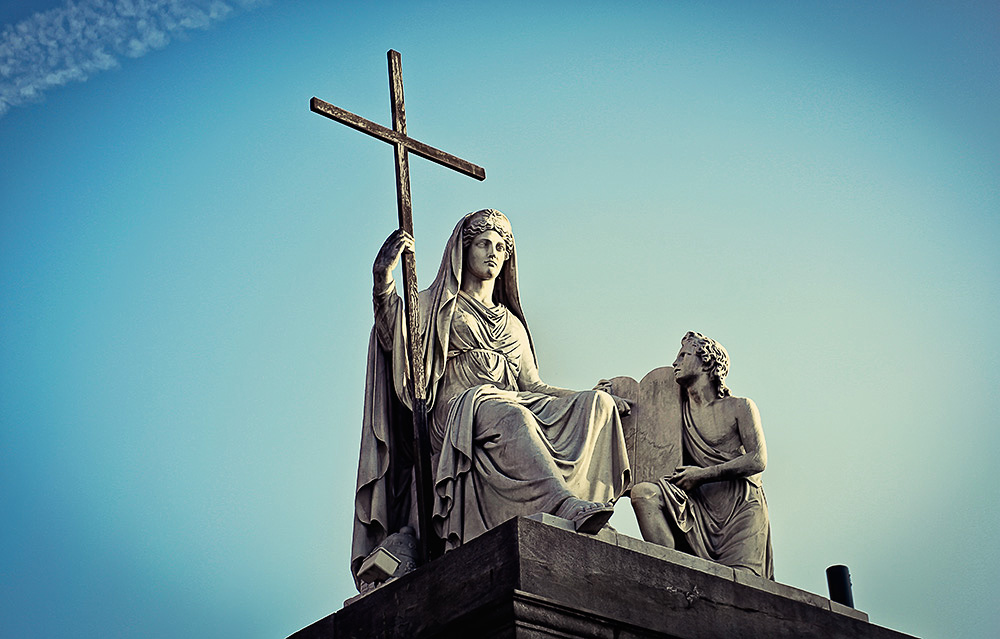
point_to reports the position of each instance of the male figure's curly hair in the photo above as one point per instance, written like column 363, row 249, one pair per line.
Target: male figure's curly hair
column 714, row 356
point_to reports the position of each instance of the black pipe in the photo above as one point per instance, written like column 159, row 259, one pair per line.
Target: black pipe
column 838, row 579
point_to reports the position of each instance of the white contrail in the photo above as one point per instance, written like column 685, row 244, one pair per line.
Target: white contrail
column 75, row 41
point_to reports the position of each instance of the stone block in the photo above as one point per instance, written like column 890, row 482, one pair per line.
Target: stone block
column 841, row 609
column 552, row 520
column 779, row 589
column 378, row 566
column 529, row 579
column 675, row 556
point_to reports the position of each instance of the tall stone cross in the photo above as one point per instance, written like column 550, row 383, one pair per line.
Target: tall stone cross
column 403, row 145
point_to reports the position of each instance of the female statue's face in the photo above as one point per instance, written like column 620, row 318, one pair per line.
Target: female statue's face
column 485, row 256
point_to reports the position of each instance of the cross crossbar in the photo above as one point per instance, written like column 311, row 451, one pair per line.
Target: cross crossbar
column 388, row 135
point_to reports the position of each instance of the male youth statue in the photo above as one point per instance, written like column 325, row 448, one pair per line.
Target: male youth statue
column 713, row 505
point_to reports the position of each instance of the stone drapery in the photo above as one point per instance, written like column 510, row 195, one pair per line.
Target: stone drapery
column 499, row 449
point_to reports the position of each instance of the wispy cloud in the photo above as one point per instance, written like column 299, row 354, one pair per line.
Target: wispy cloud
column 73, row 42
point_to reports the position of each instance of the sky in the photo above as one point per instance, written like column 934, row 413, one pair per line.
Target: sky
column 185, row 276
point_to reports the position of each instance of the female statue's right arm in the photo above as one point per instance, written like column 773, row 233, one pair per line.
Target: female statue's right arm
column 384, row 290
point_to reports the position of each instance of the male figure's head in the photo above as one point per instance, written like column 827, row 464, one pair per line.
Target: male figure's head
column 702, row 357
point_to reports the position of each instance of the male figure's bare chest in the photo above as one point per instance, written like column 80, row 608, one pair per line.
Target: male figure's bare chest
column 718, row 426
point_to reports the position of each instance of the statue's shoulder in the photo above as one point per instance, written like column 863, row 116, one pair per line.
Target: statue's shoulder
column 515, row 324
column 739, row 406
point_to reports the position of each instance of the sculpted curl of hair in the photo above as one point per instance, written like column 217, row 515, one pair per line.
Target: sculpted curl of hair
column 714, row 356
column 488, row 220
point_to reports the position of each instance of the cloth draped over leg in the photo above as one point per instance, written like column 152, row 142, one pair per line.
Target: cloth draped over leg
column 498, row 451
column 507, row 453
column 723, row 521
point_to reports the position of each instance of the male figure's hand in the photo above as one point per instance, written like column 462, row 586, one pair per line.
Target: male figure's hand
column 687, row 478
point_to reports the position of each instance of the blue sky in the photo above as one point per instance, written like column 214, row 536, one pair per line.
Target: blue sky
column 185, row 269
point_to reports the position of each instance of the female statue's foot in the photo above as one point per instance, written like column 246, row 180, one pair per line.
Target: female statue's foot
column 587, row 516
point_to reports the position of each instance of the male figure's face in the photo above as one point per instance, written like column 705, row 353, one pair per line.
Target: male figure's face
column 485, row 256
column 688, row 365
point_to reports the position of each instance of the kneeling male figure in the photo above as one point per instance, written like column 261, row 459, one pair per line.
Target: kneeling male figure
column 713, row 505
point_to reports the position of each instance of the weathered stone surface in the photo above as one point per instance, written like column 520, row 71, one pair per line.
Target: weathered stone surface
column 769, row 585
column 675, row 556
column 552, row 520
column 658, row 442
column 528, row 579
column 653, row 428
column 379, row 566
column 841, row 609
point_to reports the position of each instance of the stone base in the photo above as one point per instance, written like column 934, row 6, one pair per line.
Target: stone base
column 531, row 579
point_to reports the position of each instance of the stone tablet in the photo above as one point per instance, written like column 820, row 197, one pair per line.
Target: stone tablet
column 653, row 429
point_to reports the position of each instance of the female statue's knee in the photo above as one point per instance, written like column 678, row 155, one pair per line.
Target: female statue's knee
column 503, row 415
column 604, row 401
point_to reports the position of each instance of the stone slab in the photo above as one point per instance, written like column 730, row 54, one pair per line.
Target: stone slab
column 379, row 566
column 653, row 428
column 528, row 579
column 552, row 520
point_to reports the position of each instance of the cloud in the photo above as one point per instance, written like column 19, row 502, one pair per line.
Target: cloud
column 73, row 42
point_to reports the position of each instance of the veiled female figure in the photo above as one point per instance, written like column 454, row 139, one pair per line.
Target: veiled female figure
column 504, row 443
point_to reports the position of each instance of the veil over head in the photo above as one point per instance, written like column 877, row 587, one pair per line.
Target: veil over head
column 438, row 301
column 383, row 501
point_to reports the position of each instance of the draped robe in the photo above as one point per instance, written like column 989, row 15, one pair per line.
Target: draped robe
column 724, row 521
column 498, row 451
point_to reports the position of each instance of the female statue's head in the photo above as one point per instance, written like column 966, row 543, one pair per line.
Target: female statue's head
column 457, row 263
column 487, row 243
column 487, row 220
column 714, row 357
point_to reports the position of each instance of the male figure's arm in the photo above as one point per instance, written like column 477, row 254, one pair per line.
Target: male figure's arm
column 751, row 462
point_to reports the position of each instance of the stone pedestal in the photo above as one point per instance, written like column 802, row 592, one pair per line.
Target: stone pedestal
column 529, row 578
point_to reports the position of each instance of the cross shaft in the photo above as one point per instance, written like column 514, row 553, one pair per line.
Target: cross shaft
column 403, row 145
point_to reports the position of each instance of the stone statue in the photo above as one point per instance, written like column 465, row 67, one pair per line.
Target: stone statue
column 713, row 504
column 504, row 443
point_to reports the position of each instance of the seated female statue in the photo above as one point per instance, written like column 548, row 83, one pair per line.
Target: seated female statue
column 504, row 443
